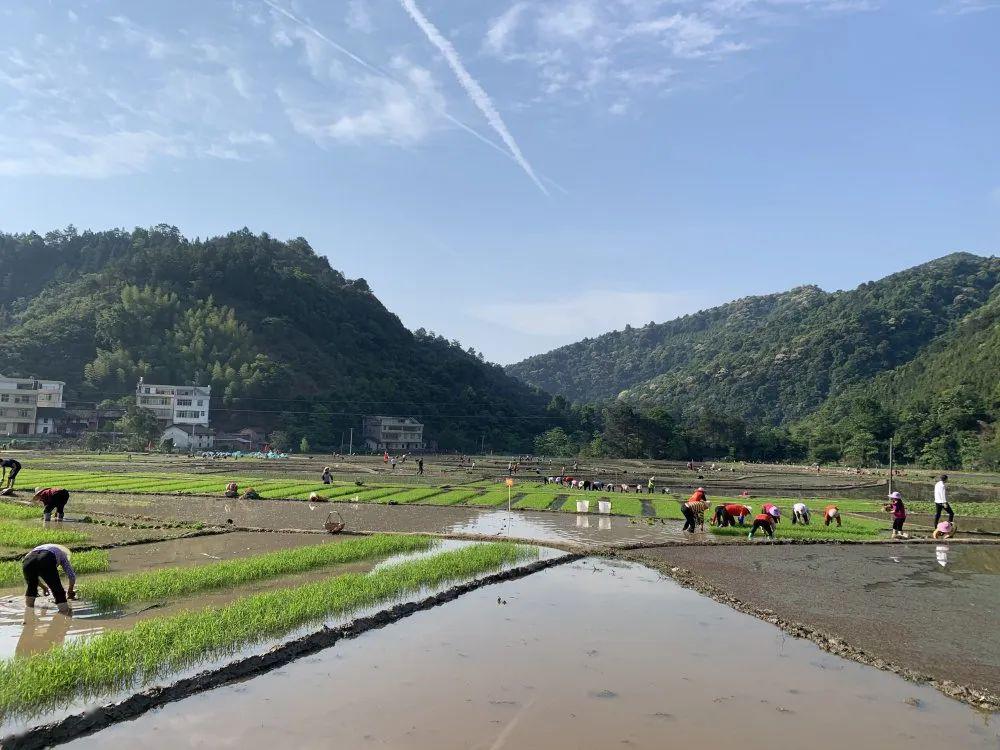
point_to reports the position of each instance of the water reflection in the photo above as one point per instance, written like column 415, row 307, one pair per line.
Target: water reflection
column 941, row 552
column 41, row 634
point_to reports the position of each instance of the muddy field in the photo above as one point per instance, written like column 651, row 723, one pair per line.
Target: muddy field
column 933, row 609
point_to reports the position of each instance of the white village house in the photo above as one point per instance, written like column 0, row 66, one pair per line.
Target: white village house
column 393, row 434
column 182, row 410
column 189, row 437
column 29, row 406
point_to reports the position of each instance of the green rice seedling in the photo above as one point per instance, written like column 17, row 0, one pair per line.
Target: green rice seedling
column 26, row 537
column 91, row 561
column 452, row 497
column 491, row 499
column 329, row 491
column 12, row 511
column 410, row 496
column 535, row 501
column 119, row 659
column 166, row 583
column 371, row 494
column 853, row 529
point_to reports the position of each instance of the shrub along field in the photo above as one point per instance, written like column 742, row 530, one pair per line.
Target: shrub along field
column 120, row 659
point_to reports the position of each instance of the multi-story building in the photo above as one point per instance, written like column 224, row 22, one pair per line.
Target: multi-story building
column 175, row 404
column 393, row 434
column 29, row 406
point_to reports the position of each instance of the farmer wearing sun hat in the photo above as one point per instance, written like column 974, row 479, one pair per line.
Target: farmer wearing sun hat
column 41, row 568
column 54, row 499
column 898, row 511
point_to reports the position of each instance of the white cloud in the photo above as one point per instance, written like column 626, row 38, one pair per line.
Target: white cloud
column 589, row 51
column 359, row 17
column 964, row 7
column 401, row 112
column 66, row 152
column 502, row 27
column 586, row 314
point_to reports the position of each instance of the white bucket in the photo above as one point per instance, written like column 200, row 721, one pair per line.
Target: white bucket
column 604, row 506
column 583, row 506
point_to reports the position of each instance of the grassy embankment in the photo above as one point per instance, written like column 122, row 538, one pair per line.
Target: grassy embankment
column 119, row 590
column 116, row 660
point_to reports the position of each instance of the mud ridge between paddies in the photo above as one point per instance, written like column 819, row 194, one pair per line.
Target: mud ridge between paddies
column 978, row 698
column 94, row 720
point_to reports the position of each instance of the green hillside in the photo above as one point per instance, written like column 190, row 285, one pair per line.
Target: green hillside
column 772, row 359
column 284, row 339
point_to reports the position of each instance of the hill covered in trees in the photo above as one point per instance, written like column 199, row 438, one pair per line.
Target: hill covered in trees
column 817, row 375
column 284, row 339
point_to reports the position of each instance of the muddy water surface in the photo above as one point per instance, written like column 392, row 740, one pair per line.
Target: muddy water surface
column 589, row 655
column 932, row 608
column 276, row 514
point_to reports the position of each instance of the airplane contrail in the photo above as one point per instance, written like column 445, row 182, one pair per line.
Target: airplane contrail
column 472, row 87
column 385, row 74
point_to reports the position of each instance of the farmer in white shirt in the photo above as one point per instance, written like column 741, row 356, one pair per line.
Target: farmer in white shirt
column 941, row 500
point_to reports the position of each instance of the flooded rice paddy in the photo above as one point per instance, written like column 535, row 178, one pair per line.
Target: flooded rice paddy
column 932, row 608
column 588, row 655
column 277, row 514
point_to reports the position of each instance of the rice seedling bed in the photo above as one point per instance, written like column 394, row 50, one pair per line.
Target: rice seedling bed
column 328, row 491
column 412, row 496
column 25, row 537
column 10, row 511
column 491, row 499
column 853, row 529
column 90, row 561
column 535, row 501
column 117, row 591
column 116, row 660
column 452, row 497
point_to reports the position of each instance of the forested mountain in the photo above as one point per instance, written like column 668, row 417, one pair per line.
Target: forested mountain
column 284, row 340
column 772, row 359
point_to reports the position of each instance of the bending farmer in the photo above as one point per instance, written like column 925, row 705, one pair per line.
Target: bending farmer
column 830, row 514
column 43, row 563
column 764, row 522
column 54, row 499
column 694, row 510
column 10, row 469
column 800, row 514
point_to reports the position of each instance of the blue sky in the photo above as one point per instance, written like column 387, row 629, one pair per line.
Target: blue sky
column 521, row 174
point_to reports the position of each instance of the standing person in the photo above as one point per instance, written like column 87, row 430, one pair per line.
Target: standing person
column 327, row 476
column 54, row 499
column 11, row 467
column 694, row 510
column 800, row 514
column 898, row 511
column 941, row 500
column 43, row 562
column 651, row 485
column 420, row 466
column 831, row 513
column 392, row 463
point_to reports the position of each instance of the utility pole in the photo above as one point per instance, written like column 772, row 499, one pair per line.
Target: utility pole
column 482, row 444
column 890, row 466
column 350, row 450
